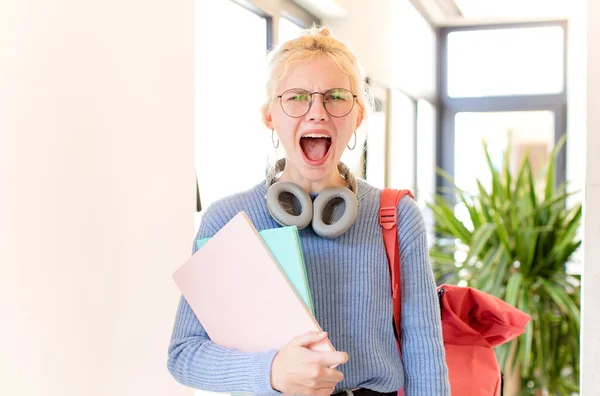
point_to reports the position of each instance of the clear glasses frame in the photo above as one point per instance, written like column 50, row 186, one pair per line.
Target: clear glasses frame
column 288, row 112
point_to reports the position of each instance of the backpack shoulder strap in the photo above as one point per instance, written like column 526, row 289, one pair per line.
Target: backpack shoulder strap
column 388, row 214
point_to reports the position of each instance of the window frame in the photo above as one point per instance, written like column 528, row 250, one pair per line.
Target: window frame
column 450, row 106
column 273, row 11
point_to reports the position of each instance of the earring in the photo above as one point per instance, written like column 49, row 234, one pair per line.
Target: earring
column 354, row 142
column 273, row 139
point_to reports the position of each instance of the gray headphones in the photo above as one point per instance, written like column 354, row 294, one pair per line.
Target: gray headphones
column 281, row 194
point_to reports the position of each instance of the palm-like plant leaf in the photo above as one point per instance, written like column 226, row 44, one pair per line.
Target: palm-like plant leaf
column 518, row 243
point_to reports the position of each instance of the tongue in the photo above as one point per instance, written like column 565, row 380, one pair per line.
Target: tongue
column 315, row 148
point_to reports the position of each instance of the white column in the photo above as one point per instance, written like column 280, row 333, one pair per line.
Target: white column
column 590, row 341
column 96, row 193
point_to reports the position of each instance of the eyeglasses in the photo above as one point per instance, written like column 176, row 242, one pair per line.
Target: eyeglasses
column 296, row 102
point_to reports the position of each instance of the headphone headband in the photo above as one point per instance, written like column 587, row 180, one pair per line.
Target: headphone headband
column 342, row 168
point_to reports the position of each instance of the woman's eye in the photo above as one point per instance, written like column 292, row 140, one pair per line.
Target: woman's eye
column 298, row 98
column 335, row 96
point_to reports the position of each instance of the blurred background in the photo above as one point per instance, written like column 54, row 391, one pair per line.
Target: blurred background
column 117, row 127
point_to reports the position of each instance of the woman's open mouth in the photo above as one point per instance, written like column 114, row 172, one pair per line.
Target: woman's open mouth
column 315, row 148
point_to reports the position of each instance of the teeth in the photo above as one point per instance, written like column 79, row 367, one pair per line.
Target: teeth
column 316, row 135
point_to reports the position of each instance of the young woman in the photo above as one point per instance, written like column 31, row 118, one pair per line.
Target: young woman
column 315, row 102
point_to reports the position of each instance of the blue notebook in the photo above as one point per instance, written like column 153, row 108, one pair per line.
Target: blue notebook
column 284, row 243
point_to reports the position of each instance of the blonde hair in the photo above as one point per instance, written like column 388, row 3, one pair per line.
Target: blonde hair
column 312, row 43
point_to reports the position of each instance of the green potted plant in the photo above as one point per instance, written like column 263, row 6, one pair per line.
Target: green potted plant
column 515, row 244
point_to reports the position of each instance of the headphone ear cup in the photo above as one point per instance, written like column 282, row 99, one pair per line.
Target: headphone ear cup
column 336, row 229
column 278, row 212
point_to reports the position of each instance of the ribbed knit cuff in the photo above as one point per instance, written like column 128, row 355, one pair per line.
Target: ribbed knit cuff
column 260, row 376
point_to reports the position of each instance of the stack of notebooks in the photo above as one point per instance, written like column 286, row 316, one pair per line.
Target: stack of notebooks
column 249, row 289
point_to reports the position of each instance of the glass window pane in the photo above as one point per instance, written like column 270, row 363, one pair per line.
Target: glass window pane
column 228, row 124
column 287, row 30
column 412, row 61
column 506, row 62
column 375, row 144
column 527, row 131
column 426, row 162
column 426, row 152
column 402, row 141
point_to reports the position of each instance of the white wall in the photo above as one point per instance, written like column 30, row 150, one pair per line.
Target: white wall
column 97, row 192
column 395, row 45
column 366, row 30
column 576, row 111
column 590, row 378
column 576, row 96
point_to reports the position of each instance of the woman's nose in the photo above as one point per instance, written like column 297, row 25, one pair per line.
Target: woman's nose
column 317, row 109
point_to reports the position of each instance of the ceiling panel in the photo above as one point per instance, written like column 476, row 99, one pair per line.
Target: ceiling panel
column 515, row 9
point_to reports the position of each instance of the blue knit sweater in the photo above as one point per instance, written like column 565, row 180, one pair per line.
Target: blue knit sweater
column 350, row 284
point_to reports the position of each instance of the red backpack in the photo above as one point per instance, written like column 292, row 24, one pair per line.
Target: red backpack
column 473, row 322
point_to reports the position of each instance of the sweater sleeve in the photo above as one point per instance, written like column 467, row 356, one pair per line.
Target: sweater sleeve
column 423, row 356
column 195, row 361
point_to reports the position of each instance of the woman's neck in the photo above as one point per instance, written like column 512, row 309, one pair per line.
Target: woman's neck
column 313, row 186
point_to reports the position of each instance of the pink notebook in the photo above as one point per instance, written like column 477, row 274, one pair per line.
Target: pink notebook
column 241, row 295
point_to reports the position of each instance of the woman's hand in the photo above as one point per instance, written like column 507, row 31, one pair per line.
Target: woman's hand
column 298, row 370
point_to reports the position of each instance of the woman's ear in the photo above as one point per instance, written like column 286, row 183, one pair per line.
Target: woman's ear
column 267, row 117
column 359, row 119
